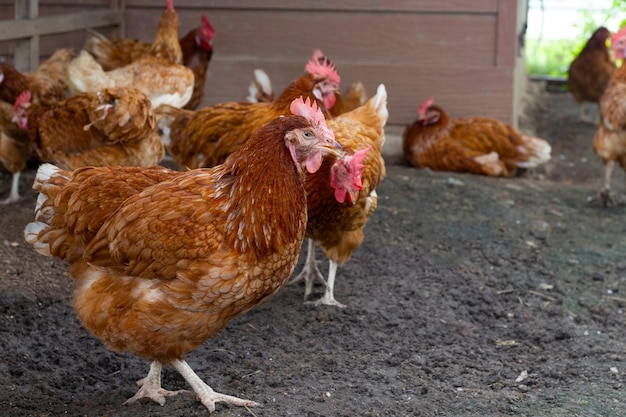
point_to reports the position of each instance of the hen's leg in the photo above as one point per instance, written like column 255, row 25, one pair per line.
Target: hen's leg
column 205, row 393
column 150, row 386
column 310, row 271
column 329, row 294
column 582, row 116
column 605, row 192
column 14, row 195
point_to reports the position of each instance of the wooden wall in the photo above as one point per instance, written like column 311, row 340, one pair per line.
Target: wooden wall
column 464, row 53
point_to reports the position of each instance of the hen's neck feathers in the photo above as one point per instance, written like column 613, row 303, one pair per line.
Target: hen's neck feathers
column 165, row 44
column 260, row 191
column 302, row 86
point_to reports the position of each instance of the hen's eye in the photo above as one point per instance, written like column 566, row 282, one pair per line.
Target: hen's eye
column 308, row 134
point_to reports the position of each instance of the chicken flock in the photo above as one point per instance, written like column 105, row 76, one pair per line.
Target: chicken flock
column 163, row 259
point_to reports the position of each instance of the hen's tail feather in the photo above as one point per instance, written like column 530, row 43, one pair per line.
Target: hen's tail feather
column 48, row 181
column 539, row 151
column 31, row 235
column 260, row 88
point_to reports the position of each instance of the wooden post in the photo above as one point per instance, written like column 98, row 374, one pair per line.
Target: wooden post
column 27, row 49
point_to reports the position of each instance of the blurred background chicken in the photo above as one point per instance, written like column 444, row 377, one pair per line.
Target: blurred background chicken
column 341, row 195
column 115, row 126
column 609, row 142
column 589, row 73
column 159, row 74
column 48, row 85
column 260, row 90
column 205, row 137
column 196, row 47
column 477, row 145
column 173, row 262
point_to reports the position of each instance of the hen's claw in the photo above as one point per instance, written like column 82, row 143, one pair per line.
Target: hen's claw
column 150, row 387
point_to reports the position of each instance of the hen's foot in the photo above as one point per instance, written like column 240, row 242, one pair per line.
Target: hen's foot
column 205, row 393
column 327, row 300
column 150, row 387
column 605, row 198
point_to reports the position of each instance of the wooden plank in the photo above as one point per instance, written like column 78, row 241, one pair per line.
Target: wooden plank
column 455, row 6
column 463, row 92
column 61, row 23
column 431, row 40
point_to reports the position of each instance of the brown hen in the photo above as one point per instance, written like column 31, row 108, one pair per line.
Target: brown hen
column 196, row 46
column 609, row 142
column 477, row 145
column 115, row 126
column 164, row 260
column 589, row 73
column 204, row 138
column 341, row 195
column 159, row 74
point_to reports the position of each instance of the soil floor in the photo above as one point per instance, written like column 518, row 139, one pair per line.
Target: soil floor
column 471, row 296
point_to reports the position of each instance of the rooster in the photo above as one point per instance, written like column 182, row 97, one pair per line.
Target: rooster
column 205, row 138
column 589, row 73
column 159, row 74
column 115, row 126
column 609, row 142
column 477, row 145
column 196, row 47
column 164, row 260
column 341, row 195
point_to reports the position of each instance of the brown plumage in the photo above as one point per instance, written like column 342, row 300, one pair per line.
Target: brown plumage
column 116, row 126
column 609, row 142
column 205, row 138
column 478, row 145
column 171, row 258
column 48, row 85
column 341, row 196
column 159, row 74
column 353, row 98
column 589, row 73
column 196, row 47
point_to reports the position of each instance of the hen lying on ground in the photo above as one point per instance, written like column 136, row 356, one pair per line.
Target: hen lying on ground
column 171, row 258
column 342, row 194
column 478, row 145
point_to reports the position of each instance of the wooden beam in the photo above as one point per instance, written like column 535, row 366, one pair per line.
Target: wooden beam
column 18, row 29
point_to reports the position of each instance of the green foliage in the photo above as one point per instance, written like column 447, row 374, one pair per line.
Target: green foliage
column 552, row 57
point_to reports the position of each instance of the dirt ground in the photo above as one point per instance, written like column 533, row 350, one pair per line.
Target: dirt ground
column 470, row 296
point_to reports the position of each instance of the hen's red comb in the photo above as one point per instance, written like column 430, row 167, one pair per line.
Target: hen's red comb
column 320, row 65
column 425, row 105
column 170, row 5
column 23, row 98
column 207, row 29
column 358, row 157
column 310, row 111
column 618, row 35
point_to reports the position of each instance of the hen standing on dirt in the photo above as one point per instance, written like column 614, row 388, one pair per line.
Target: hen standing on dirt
column 590, row 72
column 342, row 194
column 168, row 267
column 609, row 143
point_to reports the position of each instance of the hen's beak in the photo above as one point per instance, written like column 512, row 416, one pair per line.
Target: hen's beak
column 333, row 147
